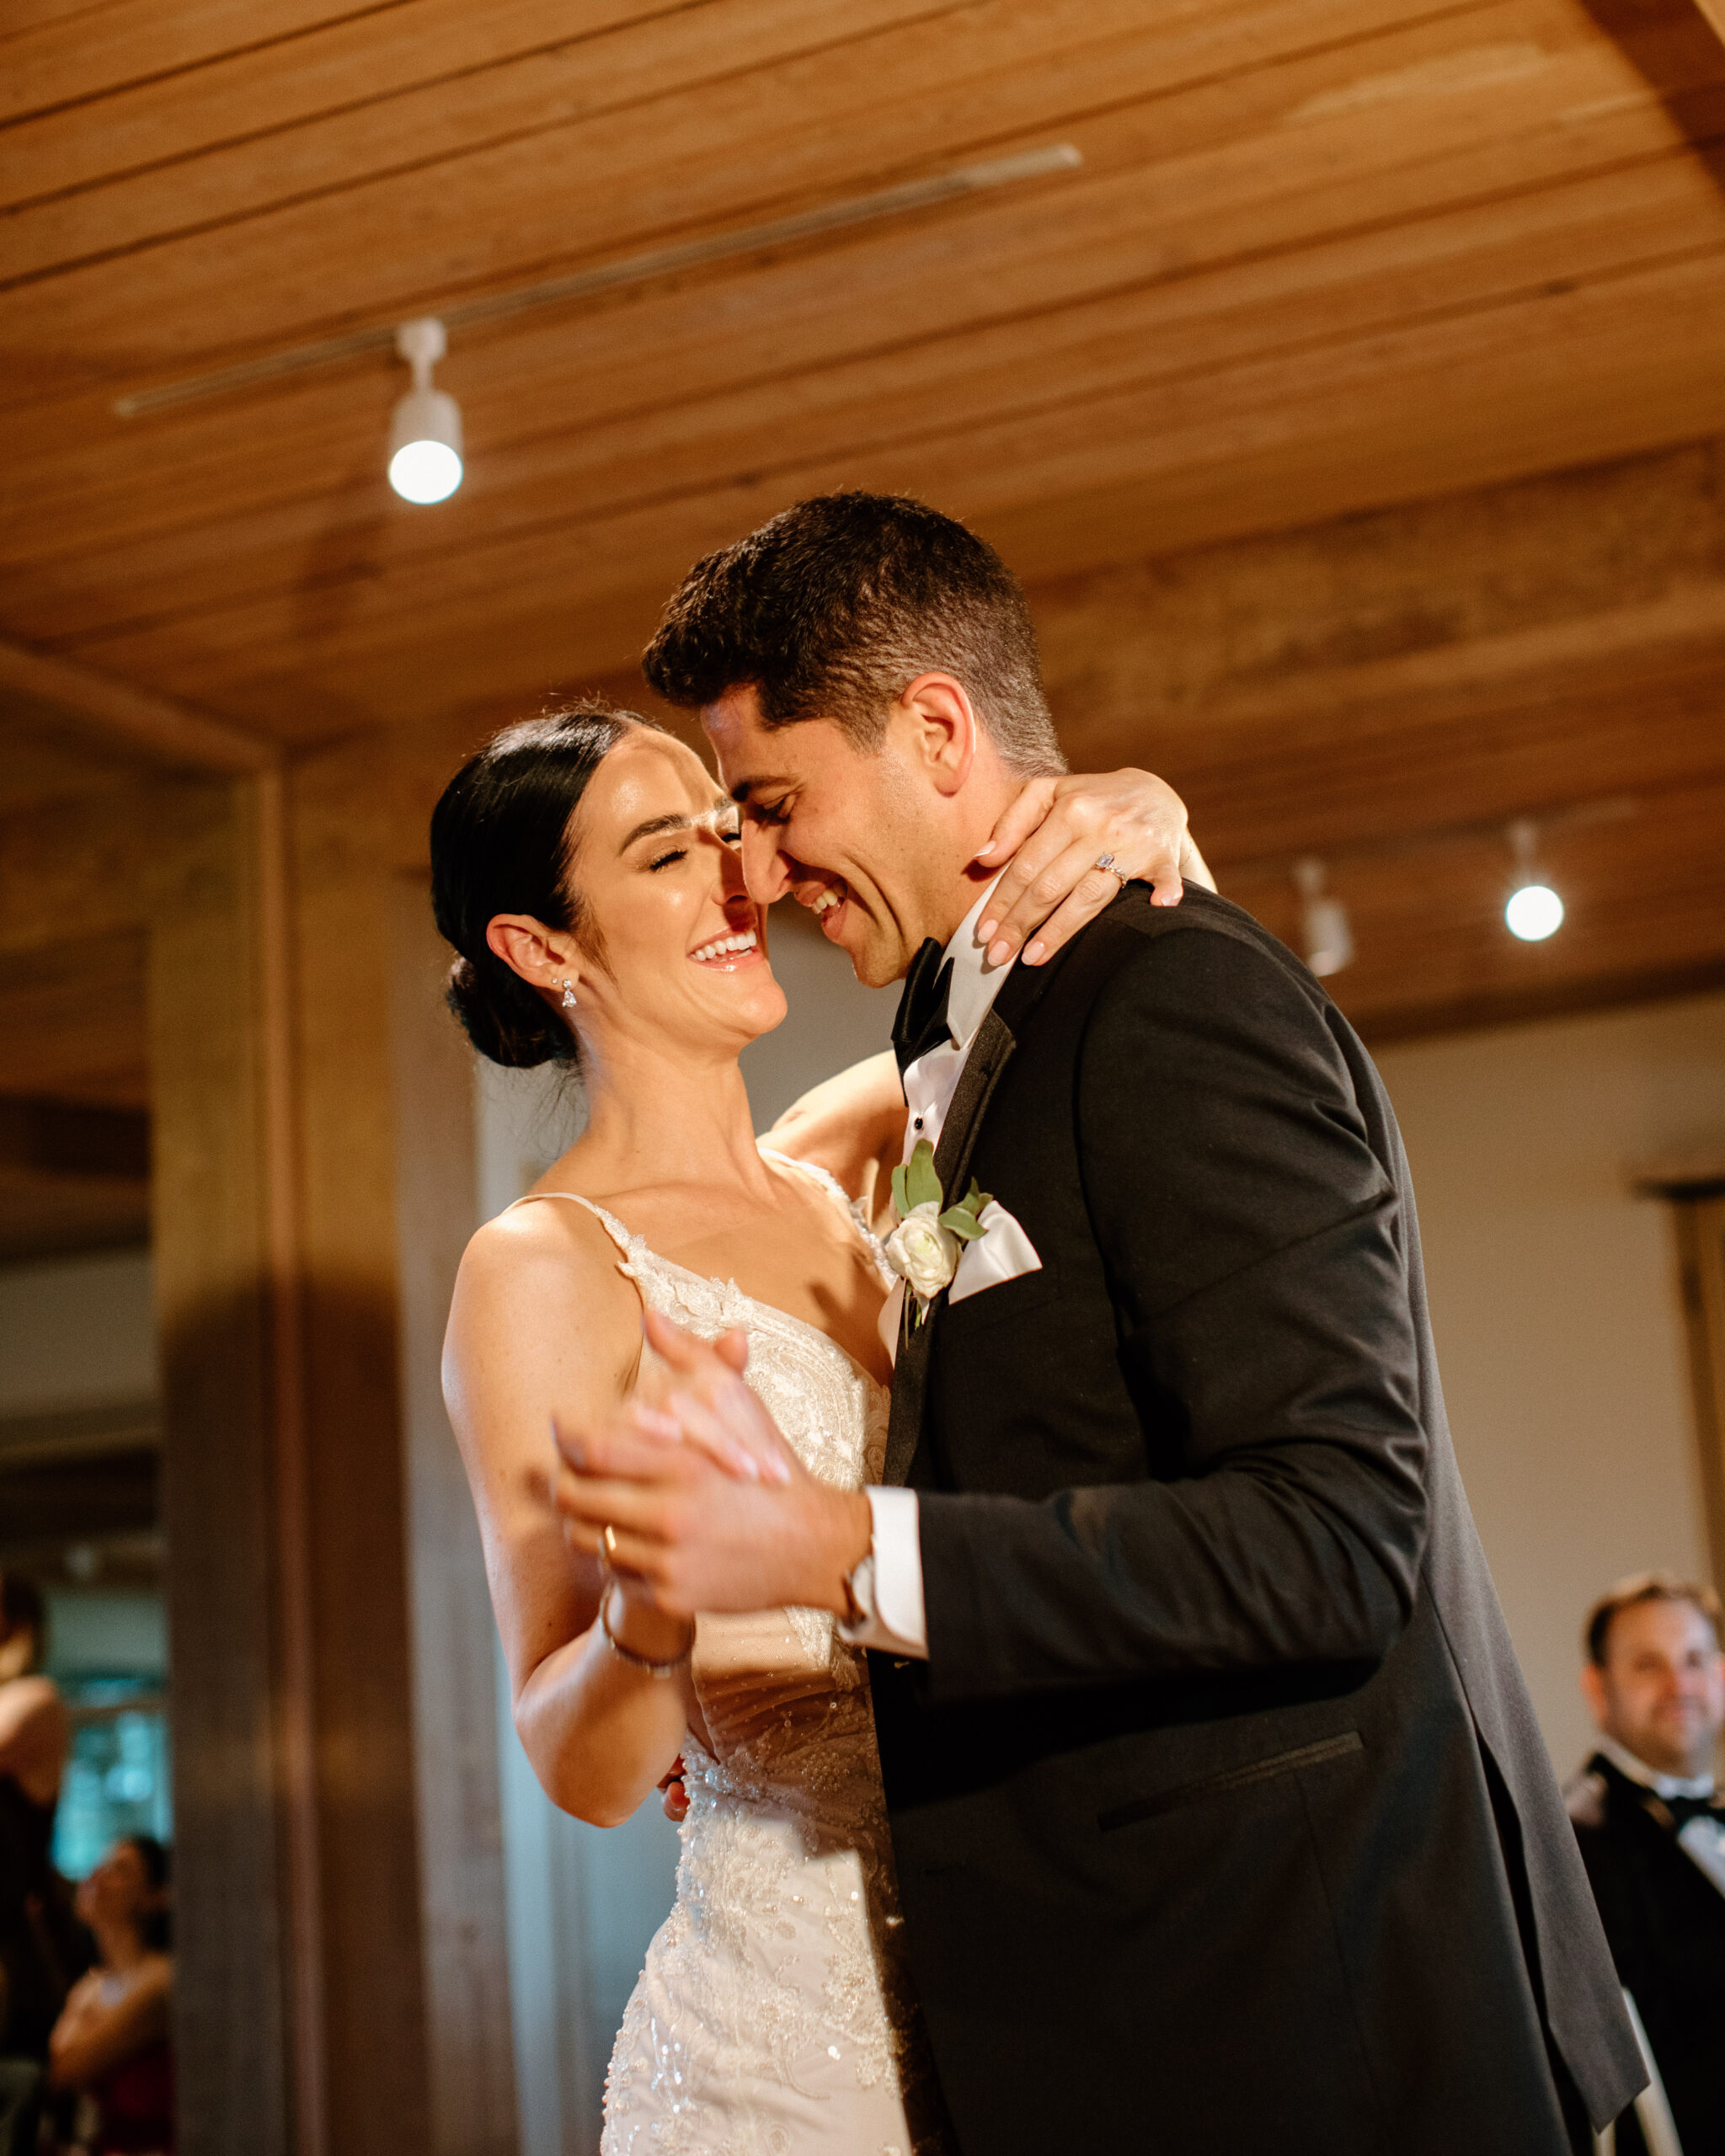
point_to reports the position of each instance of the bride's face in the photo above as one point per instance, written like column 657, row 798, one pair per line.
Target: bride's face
column 673, row 946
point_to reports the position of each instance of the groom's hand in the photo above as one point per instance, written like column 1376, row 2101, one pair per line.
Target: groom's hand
column 1055, row 831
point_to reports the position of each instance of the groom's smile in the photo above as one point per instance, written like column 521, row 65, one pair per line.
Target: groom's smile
column 826, row 897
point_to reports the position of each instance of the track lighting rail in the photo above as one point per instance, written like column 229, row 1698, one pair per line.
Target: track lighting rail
column 629, row 270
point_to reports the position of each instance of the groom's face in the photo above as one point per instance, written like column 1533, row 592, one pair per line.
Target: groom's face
column 835, row 827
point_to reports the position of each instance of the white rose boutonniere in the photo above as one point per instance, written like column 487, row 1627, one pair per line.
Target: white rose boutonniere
column 923, row 1250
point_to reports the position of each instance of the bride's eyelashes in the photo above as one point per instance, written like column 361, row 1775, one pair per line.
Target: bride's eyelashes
column 729, row 834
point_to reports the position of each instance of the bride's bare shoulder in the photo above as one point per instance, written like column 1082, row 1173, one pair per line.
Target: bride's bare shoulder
column 550, row 1262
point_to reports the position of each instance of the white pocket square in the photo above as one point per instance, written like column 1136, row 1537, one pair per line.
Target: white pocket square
column 1003, row 1251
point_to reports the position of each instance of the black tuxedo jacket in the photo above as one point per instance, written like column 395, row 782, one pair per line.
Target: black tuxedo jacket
column 1221, row 1817
column 1666, row 1920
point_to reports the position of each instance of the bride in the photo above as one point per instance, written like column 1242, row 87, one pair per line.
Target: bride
column 585, row 869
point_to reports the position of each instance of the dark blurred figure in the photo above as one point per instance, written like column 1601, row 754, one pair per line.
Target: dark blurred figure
column 1653, row 1834
column 111, row 2044
column 39, row 1947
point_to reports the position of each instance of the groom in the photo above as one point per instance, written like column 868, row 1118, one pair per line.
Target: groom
column 1222, row 1822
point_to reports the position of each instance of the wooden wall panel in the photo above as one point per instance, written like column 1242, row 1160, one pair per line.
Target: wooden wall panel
column 210, row 1244
column 375, row 2025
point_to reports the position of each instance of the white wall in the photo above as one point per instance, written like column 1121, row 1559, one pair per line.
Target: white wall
column 1555, row 1304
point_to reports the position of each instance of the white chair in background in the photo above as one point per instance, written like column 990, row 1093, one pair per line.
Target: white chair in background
column 1659, row 2129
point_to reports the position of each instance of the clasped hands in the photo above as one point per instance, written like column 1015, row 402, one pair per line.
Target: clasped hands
column 707, row 1507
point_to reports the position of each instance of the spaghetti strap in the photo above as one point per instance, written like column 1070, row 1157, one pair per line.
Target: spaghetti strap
column 612, row 1226
column 852, row 1208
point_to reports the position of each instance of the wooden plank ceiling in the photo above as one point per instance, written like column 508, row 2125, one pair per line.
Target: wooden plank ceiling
column 1322, row 258
column 1321, row 255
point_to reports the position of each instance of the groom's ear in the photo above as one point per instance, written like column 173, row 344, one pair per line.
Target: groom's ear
column 937, row 730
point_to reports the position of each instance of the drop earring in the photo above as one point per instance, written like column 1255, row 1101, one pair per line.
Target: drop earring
column 568, row 995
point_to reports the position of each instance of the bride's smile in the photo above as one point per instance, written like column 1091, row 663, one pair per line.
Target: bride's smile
column 669, row 944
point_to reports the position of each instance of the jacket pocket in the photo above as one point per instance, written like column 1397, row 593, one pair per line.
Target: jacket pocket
column 1005, row 1300
column 1232, row 1778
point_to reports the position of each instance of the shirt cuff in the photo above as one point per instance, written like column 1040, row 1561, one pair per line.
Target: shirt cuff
column 888, row 1583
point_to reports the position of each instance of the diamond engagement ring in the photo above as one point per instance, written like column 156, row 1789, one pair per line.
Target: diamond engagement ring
column 1107, row 860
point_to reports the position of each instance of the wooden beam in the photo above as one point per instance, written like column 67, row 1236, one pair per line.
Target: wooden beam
column 233, row 2005
column 375, row 2074
column 168, row 732
column 1700, row 1242
column 1714, row 13
column 296, row 1704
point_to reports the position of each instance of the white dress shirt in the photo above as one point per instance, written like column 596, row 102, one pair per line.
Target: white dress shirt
column 1702, row 1841
column 888, row 1583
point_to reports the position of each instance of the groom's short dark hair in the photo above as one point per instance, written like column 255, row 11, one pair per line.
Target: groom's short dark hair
column 834, row 607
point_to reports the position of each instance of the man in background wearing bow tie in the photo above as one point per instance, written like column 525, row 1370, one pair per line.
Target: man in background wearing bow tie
column 1652, row 1833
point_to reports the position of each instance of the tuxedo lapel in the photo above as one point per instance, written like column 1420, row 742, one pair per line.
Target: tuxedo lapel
column 988, row 1056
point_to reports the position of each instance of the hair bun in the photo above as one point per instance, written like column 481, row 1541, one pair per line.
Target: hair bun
column 504, row 1019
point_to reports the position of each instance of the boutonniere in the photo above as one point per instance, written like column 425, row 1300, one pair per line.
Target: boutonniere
column 924, row 1248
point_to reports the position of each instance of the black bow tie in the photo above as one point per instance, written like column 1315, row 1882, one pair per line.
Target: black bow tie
column 922, row 1022
column 1683, row 1809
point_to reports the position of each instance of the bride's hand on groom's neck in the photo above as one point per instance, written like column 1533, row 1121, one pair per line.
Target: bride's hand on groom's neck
column 1051, row 837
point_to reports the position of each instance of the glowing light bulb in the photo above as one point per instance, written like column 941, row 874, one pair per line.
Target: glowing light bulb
column 426, row 435
column 425, row 471
column 1534, row 913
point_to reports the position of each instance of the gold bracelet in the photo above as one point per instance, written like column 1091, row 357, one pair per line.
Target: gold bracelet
column 664, row 1669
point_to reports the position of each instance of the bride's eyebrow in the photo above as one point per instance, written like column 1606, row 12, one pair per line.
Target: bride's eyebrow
column 678, row 820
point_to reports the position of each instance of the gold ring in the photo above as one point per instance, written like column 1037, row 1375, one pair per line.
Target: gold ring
column 609, row 1539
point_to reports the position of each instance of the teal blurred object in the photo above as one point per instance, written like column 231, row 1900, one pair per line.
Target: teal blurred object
column 118, row 1780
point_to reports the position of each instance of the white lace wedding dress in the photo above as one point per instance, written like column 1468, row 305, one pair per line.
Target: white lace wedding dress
column 775, row 2015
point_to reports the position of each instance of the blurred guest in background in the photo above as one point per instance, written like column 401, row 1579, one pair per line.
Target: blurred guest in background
column 1652, row 1833
column 39, row 1941
column 111, row 2043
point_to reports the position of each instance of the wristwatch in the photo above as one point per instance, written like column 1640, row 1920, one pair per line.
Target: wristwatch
column 859, row 1598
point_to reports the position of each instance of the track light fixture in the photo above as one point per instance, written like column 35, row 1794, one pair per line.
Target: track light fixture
column 1325, row 933
column 425, row 437
column 1534, row 911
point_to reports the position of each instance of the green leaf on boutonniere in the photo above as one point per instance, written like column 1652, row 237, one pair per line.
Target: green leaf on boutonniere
column 922, row 1183
column 901, row 1204
column 963, row 1220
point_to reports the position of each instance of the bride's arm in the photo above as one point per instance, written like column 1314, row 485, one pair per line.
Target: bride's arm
column 1053, row 835
column 853, row 1126
column 543, row 1326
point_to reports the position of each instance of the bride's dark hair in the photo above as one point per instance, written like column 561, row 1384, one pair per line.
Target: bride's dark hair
column 501, row 843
